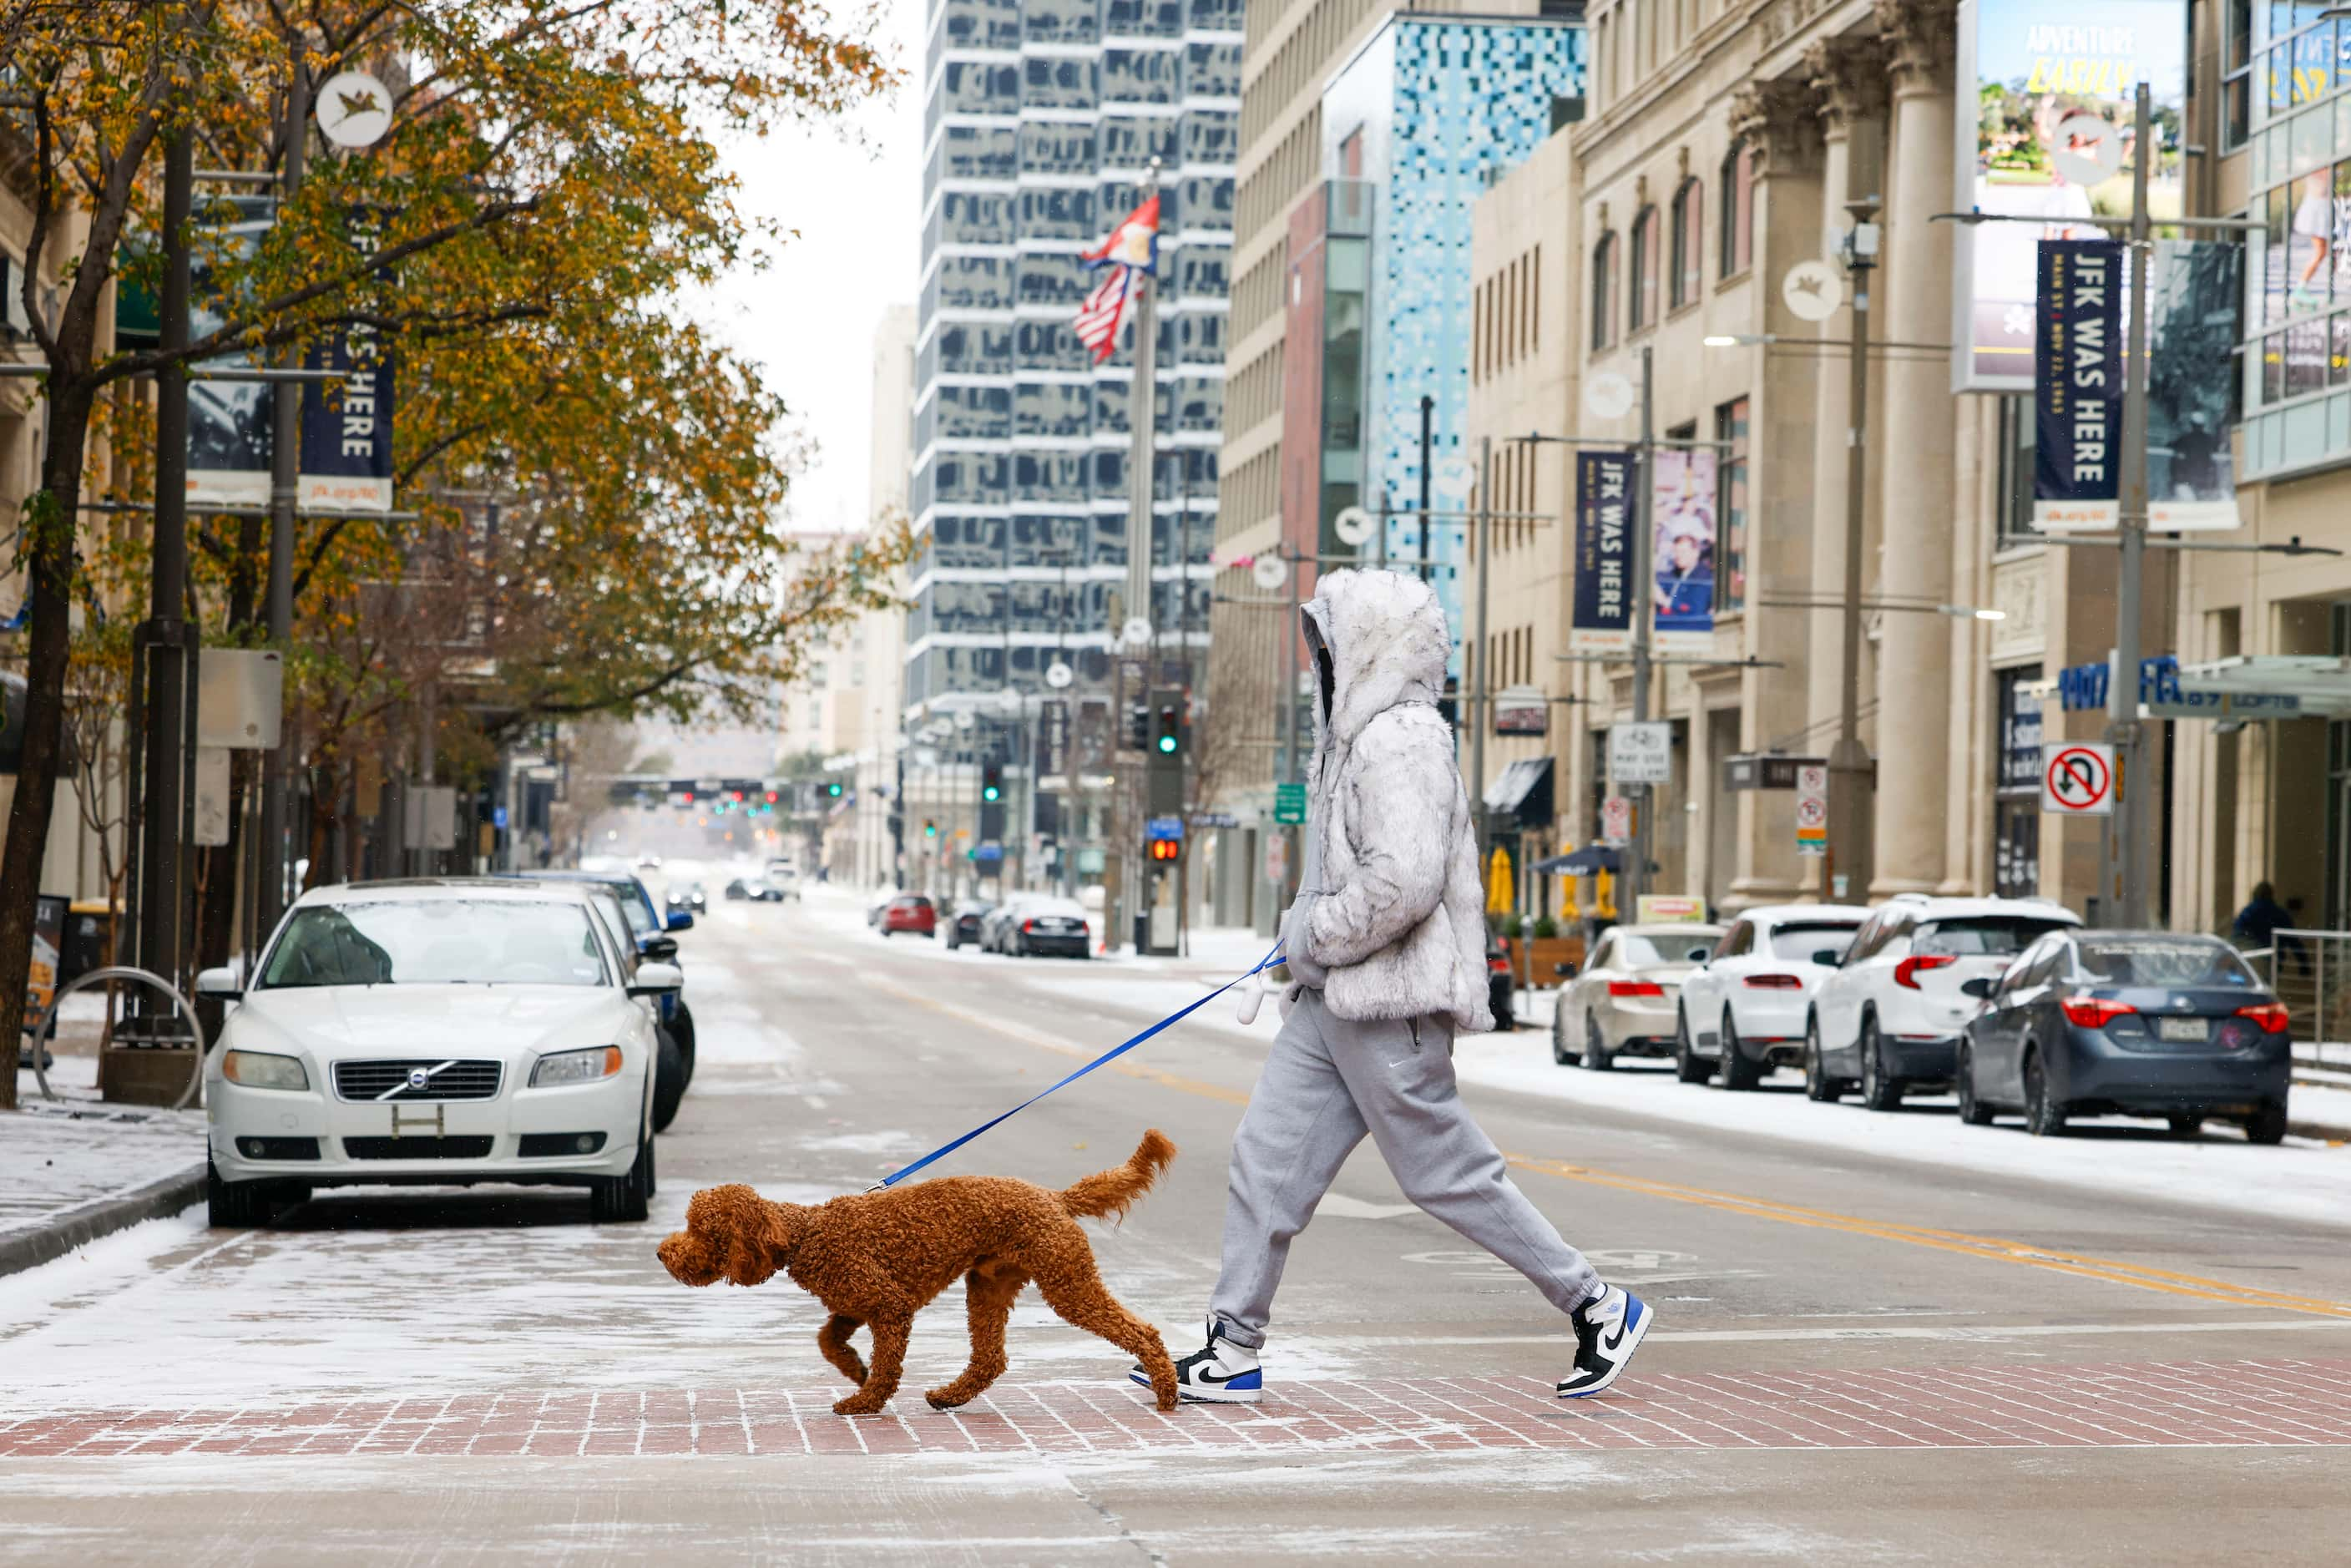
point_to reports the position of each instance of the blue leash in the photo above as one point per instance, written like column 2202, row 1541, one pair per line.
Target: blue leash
column 1112, row 1054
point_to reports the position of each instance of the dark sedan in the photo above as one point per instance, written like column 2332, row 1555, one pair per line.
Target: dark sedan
column 2134, row 1023
column 964, row 928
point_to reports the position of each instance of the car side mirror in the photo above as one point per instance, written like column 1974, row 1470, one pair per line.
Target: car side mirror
column 221, row 985
column 1699, row 955
column 1564, row 971
column 658, row 980
column 1827, row 958
column 1980, row 987
column 678, row 920
column 661, row 949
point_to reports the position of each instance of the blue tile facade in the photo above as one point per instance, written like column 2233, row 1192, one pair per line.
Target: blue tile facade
column 1441, row 106
column 1040, row 118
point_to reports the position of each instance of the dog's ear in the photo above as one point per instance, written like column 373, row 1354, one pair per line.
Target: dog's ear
column 752, row 1236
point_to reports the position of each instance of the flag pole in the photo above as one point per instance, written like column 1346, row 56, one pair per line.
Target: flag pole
column 1142, row 407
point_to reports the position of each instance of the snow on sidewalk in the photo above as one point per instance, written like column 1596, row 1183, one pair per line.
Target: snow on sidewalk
column 61, row 1156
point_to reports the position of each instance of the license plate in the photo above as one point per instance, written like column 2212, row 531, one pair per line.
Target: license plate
column 2179, row 1029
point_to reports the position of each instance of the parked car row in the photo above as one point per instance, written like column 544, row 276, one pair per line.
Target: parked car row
column 2010, row 1003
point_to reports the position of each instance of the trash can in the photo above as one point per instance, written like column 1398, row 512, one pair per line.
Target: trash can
column 88, row 922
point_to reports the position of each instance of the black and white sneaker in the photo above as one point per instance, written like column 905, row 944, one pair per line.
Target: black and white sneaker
column 1220, row 1373
column 1608, row 1330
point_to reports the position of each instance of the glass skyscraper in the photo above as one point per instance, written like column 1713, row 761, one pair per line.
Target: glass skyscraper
column 1040, row 118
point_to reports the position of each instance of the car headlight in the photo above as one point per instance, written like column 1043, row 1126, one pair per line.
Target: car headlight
column 575, row 1066
column 255, row 1070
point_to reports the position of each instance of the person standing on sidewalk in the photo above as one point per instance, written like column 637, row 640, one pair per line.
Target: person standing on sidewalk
column 1386, row 951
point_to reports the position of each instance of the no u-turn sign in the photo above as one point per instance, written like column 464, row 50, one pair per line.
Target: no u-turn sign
column 2078, row 780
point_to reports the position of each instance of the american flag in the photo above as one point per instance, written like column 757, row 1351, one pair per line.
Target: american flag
column 1132, row 247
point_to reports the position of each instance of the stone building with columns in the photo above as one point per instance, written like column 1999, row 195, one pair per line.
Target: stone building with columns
column 1721, row 145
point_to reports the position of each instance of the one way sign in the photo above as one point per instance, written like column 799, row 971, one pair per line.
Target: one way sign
column 2078, row 780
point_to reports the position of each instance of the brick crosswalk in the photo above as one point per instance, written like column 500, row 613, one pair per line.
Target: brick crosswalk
column 2280, row 1403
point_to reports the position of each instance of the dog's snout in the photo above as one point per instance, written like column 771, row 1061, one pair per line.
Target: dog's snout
column 687, row 1259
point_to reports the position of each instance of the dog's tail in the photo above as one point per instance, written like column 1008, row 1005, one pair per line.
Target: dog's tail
column 1114, row 1191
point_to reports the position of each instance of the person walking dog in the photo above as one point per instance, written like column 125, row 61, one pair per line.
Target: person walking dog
column 1386, row 945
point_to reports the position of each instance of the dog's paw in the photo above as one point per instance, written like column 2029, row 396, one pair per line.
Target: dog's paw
column 947, row 1398
column 859, row 1404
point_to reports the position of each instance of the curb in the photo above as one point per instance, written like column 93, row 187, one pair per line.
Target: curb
column 76, row 1227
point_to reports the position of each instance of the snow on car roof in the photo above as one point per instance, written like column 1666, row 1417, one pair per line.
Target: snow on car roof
column 507, row 890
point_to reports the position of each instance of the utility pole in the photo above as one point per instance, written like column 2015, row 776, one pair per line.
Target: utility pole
column 2125, row 844
column 1850, row 781
column 1427, row 432
column 1635, row 878
column 1481, row 684
column 1142, row 419
column 163, row 894
column 284, row 474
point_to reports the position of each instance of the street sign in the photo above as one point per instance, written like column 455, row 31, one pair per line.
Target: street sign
column 1163, row 828
column 1136, row 633
column 1812, row 809
column 1269, row 571
column 353, row 110
column 1215, row 819
column 1617, row 821
column 1276, row 859
column 988, row 851
column 1766, row 770
column 1674, row 908
column 1353, row 526
column 1608, row 396
column 2087, row 150
column 1521, row 710
column 1640, row 753
column 1453, row 478
column 1812, row 290
column 1058, row 675
column 2079, row 781
column 1289, row 803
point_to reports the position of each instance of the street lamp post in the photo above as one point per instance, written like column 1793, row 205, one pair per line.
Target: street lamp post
column 1851, row 779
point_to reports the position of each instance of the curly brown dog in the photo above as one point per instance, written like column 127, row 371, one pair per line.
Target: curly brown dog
column 878, row 1259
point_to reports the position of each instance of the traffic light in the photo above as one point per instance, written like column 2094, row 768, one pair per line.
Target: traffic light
column 1138, row 728
column 930, row 829
column 1167, row 848
column 991, row 781
column 833, row 790
column 1167, row 733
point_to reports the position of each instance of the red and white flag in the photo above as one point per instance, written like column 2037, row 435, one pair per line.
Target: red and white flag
column 1132, row 247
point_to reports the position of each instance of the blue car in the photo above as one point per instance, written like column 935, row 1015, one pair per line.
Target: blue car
column 651, row 928
column 2134, row 1023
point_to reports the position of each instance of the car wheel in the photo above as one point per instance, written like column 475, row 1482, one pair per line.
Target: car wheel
column 1740, row 1071
column 1973, row 1111
column 1686, row 1065
column 2043, row 1116
column 681, row 1026
column 1878, row 1091
column 1597, row 1057
column 2267, row 1125
column 669, row 1079
column 1559, row 1038
column 2187, row 1126
column 1818, row 1085
column 230, row 1204
column 620, row 1201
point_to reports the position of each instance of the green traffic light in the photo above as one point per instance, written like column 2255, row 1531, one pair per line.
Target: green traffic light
column 1166, row 745
column 991, row 793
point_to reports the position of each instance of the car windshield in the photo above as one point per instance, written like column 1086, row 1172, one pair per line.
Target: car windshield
column 1983, row 935
column 1800, row 942
column 2155, row 962
column 437, row 942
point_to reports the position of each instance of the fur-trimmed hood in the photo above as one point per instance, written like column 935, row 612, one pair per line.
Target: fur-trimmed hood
column 1385, row 637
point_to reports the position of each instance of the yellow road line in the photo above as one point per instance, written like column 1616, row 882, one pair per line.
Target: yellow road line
column 1991, row 1248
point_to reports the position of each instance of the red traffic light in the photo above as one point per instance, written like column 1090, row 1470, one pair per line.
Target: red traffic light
column 771, row 796
column 1167, row 848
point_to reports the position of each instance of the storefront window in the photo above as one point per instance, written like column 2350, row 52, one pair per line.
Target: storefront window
column 2016, row 788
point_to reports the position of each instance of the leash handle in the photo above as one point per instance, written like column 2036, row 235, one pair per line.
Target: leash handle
column 1271, row 958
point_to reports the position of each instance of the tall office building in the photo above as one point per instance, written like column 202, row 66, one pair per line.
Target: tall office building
column 1040, row 120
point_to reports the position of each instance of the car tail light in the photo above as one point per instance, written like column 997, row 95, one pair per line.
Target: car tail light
column 1775, row 983
column 1496, row 965
column 1027, row 925
column 1636, row 988
column 2271, row 1016
column 2094, row 1012
column 1905, row 973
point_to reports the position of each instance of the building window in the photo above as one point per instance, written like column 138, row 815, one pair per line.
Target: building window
column 1689, row 221
column 2017, row 432
column 1737, row 208
column 1645, row 264
column 1603, row 293
column 2016, row 786
column 1730, row 570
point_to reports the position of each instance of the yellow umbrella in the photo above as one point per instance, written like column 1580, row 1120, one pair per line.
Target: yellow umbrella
column 1501, row 894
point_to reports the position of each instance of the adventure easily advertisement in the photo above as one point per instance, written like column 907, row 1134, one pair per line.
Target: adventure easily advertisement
column 1682, row 553
column 2029, row 74
column 1603, row 622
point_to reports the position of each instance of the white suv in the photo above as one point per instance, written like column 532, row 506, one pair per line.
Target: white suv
column 1889, row 1017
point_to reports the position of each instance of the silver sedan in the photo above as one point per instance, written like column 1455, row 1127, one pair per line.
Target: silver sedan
column 1622, row 1003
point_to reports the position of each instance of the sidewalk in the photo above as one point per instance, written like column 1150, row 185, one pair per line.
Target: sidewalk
column 74, row 1168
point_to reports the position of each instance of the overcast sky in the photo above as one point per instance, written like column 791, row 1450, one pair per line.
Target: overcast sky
column 853, row 194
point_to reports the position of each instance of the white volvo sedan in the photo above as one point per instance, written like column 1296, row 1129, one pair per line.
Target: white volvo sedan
column 435, row 1032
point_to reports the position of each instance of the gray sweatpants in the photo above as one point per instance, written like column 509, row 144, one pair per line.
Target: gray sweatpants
column 1328, row 1082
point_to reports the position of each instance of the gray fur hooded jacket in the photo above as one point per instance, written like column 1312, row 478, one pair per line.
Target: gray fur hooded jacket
column 1390, row 920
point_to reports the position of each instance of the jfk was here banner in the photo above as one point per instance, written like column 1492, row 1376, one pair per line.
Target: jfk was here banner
column 2077, row 384
column 1603, row 622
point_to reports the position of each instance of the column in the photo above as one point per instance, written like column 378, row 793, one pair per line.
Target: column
column 1778, row 118
column 1911, row 463
column 1848, row 74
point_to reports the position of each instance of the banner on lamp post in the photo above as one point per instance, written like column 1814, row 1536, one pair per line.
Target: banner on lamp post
column 1602, row 621
column 347, row 424
column 2077, row 385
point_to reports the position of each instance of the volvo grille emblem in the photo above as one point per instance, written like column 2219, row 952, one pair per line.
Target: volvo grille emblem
column 418, row 1078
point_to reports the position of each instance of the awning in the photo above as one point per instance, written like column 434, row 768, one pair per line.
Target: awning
column 1522, row 793
column 1581, row 863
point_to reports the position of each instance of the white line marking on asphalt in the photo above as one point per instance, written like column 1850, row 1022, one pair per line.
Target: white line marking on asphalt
column 1956, row 1332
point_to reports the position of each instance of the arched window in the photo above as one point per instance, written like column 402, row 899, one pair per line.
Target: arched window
column 1687, row 263
column 1738, row 207
column 1604, row 292
column 1646, row 261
